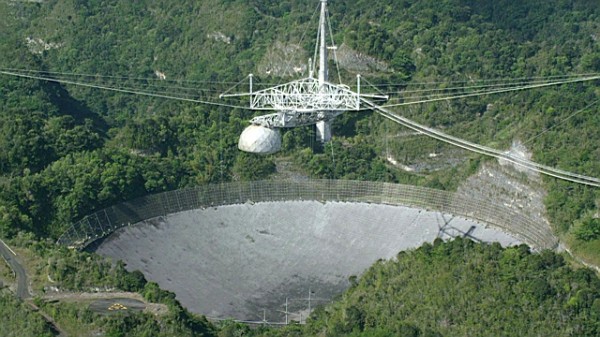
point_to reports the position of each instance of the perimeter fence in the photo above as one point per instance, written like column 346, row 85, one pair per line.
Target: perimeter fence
column 532, row 230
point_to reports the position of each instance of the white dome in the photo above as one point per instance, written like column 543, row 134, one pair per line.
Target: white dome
column 259, row 139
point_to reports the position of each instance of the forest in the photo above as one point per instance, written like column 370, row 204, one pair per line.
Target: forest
column 461, row 288
column 66, row 151
column 454, row 288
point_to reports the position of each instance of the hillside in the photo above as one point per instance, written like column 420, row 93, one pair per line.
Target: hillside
column 66, row 151
column 72, row 294
column 461, row 288
column 141, row 145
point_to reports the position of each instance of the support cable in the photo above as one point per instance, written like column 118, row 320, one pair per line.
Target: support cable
column 332, row 160
column 111, row 76
column 561, row 174
column 563, row 121
column 288, row 61
column 127, row 91
column 411, row 99
column 499, row 91
column 316, row 53
column 506, row 79
column 557, row 173
column 442, row 97
column 497, row 85
column 335, row 59
column 373, row 86
column 235, row 85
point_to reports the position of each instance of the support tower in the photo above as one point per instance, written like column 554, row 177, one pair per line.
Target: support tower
column 323, row 126
column 301, row 102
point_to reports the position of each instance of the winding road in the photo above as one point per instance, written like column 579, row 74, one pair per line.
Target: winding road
column 22, row 289
column 11, row 258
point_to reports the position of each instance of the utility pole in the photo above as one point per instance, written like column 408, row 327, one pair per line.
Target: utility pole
column 309, row 306
column 309, row 301
column 286, row 312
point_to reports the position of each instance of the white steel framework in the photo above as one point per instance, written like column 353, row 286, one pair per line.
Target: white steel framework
column 309, row 100
column 316, row 101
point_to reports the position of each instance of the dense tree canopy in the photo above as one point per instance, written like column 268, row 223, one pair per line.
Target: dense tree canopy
column 461, row 288
column 66, row 151
column 124, row 146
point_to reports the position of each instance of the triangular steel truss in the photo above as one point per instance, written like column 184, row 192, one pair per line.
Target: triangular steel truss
column 308, row 100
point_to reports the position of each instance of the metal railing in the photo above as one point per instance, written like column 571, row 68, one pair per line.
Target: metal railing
column 532, row 230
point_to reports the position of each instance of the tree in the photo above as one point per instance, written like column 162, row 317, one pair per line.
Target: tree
column 252, row 167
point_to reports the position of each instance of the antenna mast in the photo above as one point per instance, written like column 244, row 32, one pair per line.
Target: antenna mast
column 305, row 101
column 323, row 126
column 323, row 75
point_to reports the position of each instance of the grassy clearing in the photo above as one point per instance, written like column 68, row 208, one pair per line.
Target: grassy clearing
column 35, row 267
column 7, row 277
column 74, row 318
column 587, row 251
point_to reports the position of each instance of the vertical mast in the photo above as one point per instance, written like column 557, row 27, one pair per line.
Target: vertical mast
column 323, row 44
column 323, row 126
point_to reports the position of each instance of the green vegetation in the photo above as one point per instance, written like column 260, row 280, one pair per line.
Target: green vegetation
column 78, row 320
column 73, row 150
column 73, row 271
column 451, row 288
column 461, row 288
column 67, row 151
column 18, row 320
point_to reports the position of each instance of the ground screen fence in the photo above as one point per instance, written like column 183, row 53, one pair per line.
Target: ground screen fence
column 530, row 229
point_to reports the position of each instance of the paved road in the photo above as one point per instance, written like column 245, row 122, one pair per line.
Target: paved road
column 22, row 288
column 11, row 258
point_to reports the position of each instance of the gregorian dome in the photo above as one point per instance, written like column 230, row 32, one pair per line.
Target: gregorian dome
column 260, row 139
